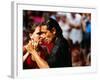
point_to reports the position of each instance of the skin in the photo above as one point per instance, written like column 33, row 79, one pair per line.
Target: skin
column 34, row 39
column 46, row 35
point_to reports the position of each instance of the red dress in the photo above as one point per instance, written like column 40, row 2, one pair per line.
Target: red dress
column 45, row 50
column 29, row 63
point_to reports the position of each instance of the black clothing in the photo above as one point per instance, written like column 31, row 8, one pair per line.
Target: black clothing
column 60, row 55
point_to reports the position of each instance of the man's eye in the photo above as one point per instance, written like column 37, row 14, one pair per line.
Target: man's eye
column 43, row 32
column 39, row 33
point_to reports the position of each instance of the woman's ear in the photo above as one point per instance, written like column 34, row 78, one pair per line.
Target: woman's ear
column 30, row 35
column 53, row 30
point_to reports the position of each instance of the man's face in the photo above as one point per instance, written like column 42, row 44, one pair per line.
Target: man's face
column 47, row 35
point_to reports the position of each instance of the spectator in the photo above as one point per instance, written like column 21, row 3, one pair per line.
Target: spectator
column 75, row 24
column 64, row 26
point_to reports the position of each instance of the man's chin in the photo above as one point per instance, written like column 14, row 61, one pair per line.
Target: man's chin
column 48, row 41
column 40, row 42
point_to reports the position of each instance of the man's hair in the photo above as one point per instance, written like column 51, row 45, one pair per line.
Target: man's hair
column 51, row 23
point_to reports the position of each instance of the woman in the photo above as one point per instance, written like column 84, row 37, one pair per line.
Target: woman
column 34, row 45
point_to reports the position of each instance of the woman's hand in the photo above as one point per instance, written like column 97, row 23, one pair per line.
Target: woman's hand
column 35, row 44
column 30, row 47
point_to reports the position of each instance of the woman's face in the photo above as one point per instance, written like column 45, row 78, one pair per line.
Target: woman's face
column 35, row 35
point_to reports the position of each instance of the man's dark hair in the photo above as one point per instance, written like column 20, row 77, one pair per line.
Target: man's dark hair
column 51, row 23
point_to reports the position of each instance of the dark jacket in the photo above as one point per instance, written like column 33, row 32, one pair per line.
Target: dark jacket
column 60, row 55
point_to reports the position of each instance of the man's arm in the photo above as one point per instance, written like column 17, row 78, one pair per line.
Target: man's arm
column 75, row 25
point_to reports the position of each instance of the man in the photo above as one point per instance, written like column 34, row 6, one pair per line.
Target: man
column 75, row 20
column 57, row 47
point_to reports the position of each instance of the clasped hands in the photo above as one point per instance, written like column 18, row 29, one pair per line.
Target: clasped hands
column 32, row 47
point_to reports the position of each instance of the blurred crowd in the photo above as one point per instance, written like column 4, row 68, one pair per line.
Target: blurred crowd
column 76, row 29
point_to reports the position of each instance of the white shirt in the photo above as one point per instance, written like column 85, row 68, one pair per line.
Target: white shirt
column 65, row 27
column 75, row 34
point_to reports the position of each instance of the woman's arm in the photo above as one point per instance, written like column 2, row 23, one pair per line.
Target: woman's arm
column 25, row 56
column 40, row 62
